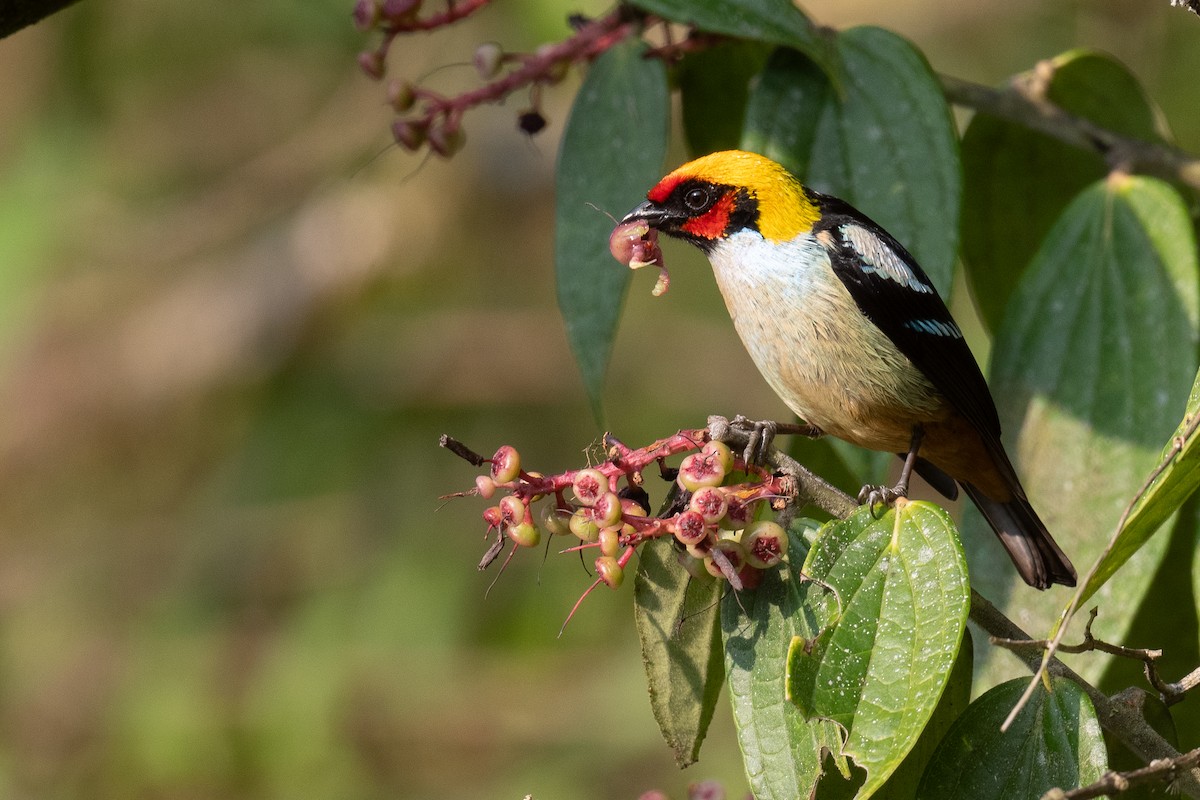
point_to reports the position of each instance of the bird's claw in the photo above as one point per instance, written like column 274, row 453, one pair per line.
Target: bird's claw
column 880, row 497
column 760, row 435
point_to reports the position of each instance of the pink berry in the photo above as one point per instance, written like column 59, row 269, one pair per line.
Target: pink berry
column 589, row 485
column 371, row 62
column 765, row 543
column 366, row 14
column 733, row 553
column 631, row 508
column 485, row 486
column 635, row 244
column 506, row 464
column 487, row 59
column 398, row 10
column 607, row 510
column 710, row 502
column 739, row 515
column 494, row 517
column 698, row 470
column 512, row 510
column 409, row 134
column 690, row 528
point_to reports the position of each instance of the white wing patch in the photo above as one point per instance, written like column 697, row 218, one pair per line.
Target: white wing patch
column 878, row 258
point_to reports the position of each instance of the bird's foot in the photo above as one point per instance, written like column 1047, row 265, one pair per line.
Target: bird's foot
column 881, row 497
column 759, row 434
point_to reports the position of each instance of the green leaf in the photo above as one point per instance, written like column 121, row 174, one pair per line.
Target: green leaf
column 771, row 21
column 782, row 751
column 891, row 596
column 902, row 785
column 1018, row 181
column 1170, row 483
column 612, row 150
column 1054, row 741
column 1094, row 361
column 679, row 627
column 1178, row 632
column 784, row 108
column 713, row 86
column 885, row 143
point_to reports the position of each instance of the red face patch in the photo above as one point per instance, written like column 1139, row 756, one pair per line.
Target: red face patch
column 713, row 223
column 662, row 191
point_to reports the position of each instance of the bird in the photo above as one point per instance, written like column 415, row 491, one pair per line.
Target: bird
column 850, row 332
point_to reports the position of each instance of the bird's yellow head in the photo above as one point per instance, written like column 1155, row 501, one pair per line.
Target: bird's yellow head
column 720, row 194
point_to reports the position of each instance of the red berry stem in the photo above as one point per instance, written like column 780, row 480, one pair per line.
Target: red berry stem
column 407, row 23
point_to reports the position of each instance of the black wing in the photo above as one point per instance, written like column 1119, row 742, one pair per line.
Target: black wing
column 893, row 292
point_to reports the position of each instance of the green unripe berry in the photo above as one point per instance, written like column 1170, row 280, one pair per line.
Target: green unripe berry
column 610, row 541
column 631, row 507
column 554, row 519
column 584, row 526
column 692, row 565
column 609, row 570
column 721, row 452
column 401, row 95
column 409, row 134
column 446, row 139
column 524, row 534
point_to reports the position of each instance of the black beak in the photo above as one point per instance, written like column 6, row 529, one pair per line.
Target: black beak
column 651, row 213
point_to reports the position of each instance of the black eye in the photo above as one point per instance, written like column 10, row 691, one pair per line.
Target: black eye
column 696, row 199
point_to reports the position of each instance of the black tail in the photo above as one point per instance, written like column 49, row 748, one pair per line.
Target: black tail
column 1038, row 558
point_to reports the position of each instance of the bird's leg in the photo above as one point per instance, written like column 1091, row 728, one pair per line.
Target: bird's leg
column 761, row 433
column 883, row 495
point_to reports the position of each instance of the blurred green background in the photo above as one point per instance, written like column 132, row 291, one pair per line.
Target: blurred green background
column 234, row 323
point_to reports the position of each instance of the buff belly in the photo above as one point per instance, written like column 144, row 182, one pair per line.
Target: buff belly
column 823, row 358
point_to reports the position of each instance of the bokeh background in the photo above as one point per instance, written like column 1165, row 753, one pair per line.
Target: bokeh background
column 233, row 323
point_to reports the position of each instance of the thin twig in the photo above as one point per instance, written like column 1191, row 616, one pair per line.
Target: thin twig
column 1161, row 770
column 1084, row 585
column 1021, row 103
column 461, row 450
column 1120, row 719
column 1169, row 693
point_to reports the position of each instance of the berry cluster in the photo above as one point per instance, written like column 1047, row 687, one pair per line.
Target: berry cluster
column 711, row 516
column 429, row 118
